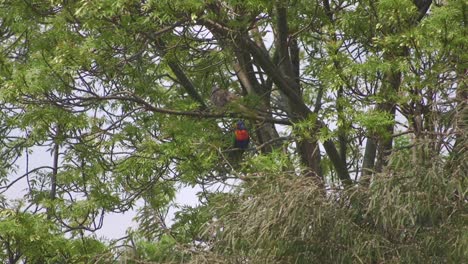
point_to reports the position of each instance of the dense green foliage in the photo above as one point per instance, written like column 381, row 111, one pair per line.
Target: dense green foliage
column 414, row 215
column 357, row 111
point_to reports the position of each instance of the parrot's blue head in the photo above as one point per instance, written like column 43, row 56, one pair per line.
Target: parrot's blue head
column 241, row 125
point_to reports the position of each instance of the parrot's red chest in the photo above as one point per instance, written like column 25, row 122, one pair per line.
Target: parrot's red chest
column 241, row 135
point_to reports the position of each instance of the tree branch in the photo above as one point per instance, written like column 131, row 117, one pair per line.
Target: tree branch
column 149, row 107
column 181, row 76
column 53, row 176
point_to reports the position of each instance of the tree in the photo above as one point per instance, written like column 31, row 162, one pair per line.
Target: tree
column 335, row 93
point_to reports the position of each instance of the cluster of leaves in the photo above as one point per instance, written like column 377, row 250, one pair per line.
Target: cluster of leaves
column 32, row 238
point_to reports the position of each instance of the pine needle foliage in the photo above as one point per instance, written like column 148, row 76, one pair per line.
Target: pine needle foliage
column 411, row 213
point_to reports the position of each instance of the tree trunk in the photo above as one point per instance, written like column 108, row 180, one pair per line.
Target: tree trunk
column 382, row 147
column 368, row 162
column 288, row 52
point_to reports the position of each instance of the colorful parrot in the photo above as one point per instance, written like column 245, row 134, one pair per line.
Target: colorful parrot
column 241, row 136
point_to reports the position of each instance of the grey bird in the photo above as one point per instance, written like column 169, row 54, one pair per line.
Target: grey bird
column 221, row 97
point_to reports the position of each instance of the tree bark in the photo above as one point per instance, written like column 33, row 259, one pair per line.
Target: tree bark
column 390, row 87
column 368, row 162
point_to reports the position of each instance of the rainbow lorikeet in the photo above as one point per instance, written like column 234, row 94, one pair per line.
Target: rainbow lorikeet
column 241, row 136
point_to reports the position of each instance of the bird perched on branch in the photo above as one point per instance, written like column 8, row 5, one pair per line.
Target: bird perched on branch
column 241, row 140
column 221, row 97
column 227, row 101
column 241, row 136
